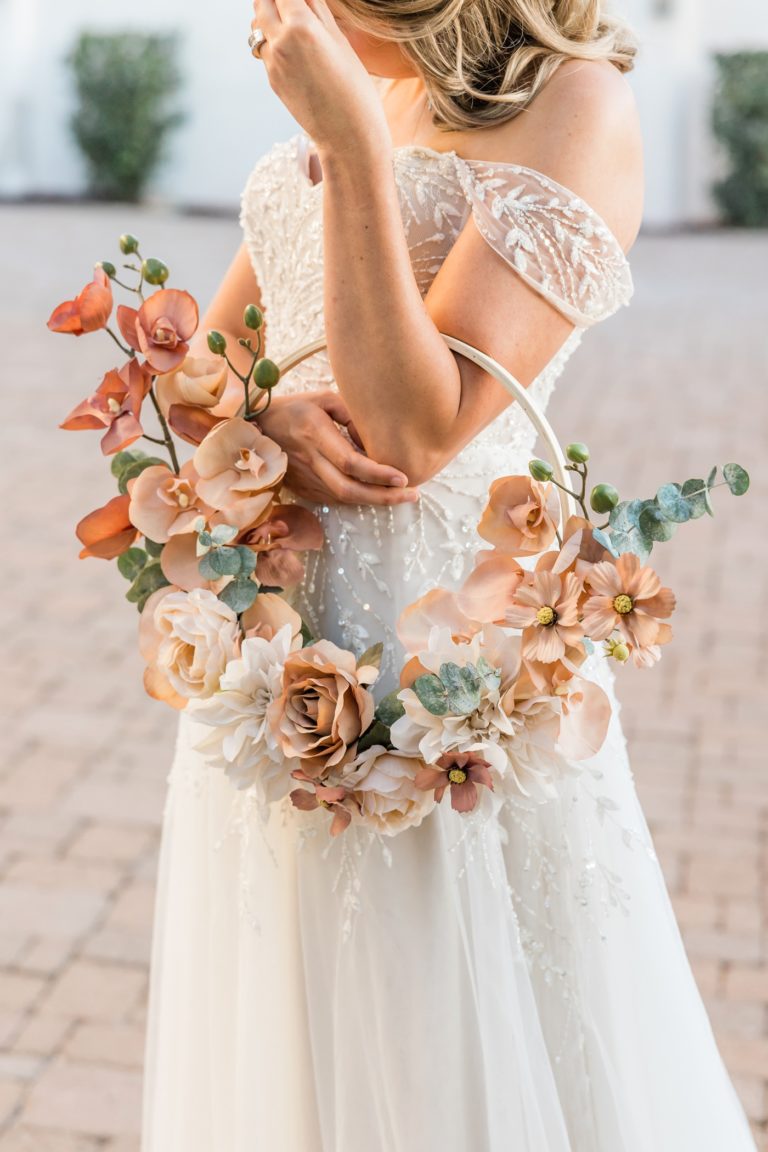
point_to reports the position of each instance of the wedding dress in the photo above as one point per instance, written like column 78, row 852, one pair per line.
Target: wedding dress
column 515, row 984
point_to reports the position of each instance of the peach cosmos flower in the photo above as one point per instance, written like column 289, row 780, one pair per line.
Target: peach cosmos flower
column 335, row 798
column 324, row 708
column 164, row 504
column 114, row 406
column 88, row 312
column 627, row 596
column 187, row 640
column 459, row 771
column 239, row 469
column 546, row 607
column 107, row 532
column 160, row 328
column 521, row 515
column 287, row 530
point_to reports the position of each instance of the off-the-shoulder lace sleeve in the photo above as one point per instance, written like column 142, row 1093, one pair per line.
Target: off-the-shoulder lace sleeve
column 551, row 237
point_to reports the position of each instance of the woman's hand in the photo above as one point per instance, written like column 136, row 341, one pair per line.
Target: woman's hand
column 316, row 73
column 323, row 464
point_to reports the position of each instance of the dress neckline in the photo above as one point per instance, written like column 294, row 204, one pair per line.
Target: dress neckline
column 306, row 144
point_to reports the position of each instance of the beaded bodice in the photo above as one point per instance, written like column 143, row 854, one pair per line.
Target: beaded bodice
column 377, row 561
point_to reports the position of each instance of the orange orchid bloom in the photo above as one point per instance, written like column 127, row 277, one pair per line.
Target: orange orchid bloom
column 88, row 312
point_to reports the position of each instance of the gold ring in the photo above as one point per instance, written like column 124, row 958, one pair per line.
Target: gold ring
column 256, row 42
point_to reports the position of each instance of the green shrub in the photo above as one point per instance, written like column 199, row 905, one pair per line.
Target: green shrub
column 740, row 122
column 122, row 122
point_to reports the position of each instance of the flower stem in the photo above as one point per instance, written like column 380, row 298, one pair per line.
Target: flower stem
column 128, row 351
column 168, row 441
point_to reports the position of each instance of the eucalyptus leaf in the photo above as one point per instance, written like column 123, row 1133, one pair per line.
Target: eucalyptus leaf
column 224, row 561
column 736, row 478
column 378, row 733
column 148, row 581
column 207, row 571
column 431, row 692
column 390, row 708
column 603, row 538
column 135, row 469
column 712, row 477
column 204, row 538
column 462, row 684
column 152, row 547
column 673, row 504
column 490, row 676
column 247, row 559
column 654, row 524
column 625, row 515
column 223, row 533
column 123, row 459
column 696, row 492
column 239, row 594
column 130, row 563
column 371, row 656
column 306, row 636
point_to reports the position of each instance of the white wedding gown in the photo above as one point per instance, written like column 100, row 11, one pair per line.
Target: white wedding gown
column 511, row 985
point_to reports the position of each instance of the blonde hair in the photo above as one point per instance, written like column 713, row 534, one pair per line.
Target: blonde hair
column 483, row 61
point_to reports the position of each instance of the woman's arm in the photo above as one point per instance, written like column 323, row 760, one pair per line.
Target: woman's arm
column 416, row 404
column 323, row 464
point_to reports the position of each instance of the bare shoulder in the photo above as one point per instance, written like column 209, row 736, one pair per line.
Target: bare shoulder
column 583, row 130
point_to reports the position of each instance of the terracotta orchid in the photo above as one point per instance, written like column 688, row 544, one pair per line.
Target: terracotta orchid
column 107, row 532
column 88, row 312
column 160, row 328
column 114, row 406
column 521, row 516
column 239, row 470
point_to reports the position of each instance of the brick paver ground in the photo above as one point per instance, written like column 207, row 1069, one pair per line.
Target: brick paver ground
column 669, row 387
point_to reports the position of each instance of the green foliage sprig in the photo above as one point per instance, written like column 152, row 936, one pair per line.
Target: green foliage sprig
column 636, row 525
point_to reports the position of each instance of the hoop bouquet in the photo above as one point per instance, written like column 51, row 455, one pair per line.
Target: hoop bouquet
column 493, row 698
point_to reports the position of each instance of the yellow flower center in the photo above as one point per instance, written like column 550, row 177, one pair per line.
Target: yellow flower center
column 113, row 405
column 623, row 604
column 183, row 500
column 457, row 776
column 546, row 616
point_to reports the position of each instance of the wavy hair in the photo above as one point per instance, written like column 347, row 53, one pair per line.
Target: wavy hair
column 483, row 61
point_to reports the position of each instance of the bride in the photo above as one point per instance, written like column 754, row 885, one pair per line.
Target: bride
column 510, row 984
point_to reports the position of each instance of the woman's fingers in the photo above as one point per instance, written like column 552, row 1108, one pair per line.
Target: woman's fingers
column 349, row 461
column 347, row 490
column 266, row 17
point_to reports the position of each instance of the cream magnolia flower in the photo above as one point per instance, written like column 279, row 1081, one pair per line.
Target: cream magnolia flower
column 187, row 638
column 244, row 742
column 382, row 782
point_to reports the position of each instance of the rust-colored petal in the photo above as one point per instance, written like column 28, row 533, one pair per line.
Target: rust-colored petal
column 190, row 422
column 107, row 532
column 126, row 322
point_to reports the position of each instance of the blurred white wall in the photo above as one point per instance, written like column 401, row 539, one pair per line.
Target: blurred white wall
column 232, row 116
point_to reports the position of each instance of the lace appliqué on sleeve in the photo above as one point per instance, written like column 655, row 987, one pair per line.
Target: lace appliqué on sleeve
column 551, row 237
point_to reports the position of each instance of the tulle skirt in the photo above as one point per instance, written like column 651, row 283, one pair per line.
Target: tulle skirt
column 514, row 984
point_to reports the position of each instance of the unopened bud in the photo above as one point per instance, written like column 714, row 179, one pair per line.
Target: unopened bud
column 603, row 498
column 128, row 244
column 577, row 453
column 107, row 268
column 216, row 343
column 154, row 271
column 253, row 317
column 540, row 470
column 266, row 373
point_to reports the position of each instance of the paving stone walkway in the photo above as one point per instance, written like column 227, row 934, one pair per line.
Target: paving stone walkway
column 664, row 390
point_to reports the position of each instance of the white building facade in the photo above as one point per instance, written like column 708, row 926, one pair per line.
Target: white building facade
column 232, row 115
